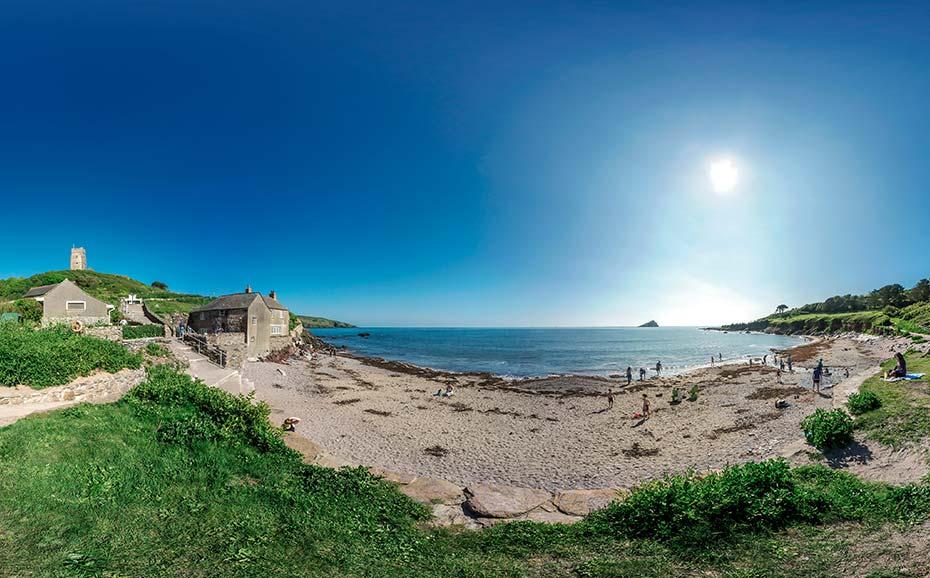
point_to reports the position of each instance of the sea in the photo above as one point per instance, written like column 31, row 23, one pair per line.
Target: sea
column 532, row 352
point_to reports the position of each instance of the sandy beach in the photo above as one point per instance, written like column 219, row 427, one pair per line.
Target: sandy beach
column 553, row 433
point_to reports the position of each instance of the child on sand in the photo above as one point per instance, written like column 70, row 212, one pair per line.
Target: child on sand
column 645, row 405
column 610, row 399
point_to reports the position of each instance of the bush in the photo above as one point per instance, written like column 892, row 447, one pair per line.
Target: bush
column 827, row 429
column 862, row 402
column 56, row 356
column 690, row 509
column 230, row 416
column 157, row 350
column 142, row 331
column 160, row 285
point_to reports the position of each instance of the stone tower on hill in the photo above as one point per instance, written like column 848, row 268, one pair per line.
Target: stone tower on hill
column 78, row 259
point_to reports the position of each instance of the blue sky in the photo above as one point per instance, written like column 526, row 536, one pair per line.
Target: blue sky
column 472, row 163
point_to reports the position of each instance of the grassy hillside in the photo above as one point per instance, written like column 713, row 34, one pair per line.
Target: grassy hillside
column 181, row 479
column 913, row 318
column 106, row 287
column 111, row 288
column 323, row 322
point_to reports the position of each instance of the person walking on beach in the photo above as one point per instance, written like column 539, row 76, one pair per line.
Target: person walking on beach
column 818, row 372
column 790, row 368
column 645, row 406
column 765, row 359
column 629, row 375
column 642, row 373
column 610, row 399
column 658, row 368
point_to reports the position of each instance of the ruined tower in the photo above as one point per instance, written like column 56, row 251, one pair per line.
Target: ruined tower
column 78, row 259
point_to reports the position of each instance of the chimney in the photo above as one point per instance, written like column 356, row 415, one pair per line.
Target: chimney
column 248, row 288
column 272, row 294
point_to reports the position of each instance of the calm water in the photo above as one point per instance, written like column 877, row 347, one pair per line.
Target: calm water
column 537, row 352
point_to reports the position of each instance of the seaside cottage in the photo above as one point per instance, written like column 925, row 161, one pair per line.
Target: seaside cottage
column 258, row 322
column 65, row 302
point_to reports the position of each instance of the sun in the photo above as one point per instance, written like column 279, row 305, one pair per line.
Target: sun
column 723, row 175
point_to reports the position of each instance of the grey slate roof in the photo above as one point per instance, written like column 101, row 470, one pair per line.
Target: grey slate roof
column 40, row 291
column 238, row 301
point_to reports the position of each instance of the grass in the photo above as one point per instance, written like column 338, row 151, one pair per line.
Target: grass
column 181, row 479
column 904, row 415
column 56, row 356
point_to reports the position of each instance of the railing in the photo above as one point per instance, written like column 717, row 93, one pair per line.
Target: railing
column 200, row 344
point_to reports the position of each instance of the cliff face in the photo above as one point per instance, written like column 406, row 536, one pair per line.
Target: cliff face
column 650, row 324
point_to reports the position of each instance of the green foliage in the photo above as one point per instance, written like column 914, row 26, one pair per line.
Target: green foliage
column 232, row 416
column 691, row 509
column 56, row 356
column 29, row 309
column 160, row 285
column 142, row 331
column 157, row 350
column 693, row 393
column 827, row 429
column 862, row 402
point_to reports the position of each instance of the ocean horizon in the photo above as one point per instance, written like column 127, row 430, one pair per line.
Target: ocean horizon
column 543, row 351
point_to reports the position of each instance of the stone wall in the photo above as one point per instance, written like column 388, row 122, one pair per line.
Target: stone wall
column 108, row 332
column 233, row 344
column 92, row 388
column 279, row 342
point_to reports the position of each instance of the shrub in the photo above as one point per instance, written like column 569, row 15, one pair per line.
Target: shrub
column 142, row 331
column 167, row 390
column 827, row 429
column 157, row 350
column 160, row 285
column 692, row 509
column 56, row 356
column 862, row 402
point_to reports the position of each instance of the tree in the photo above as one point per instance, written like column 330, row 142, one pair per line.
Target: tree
column 893, row 295
column 781, row 308
column 920, row 292
column 160, row 285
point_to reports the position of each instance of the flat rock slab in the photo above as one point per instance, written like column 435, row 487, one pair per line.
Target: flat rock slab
column 433, row 491
column 500, row 501
column 583, row 502
column 396, row 477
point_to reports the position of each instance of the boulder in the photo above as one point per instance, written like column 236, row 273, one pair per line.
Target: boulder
column 550, row 517
column 453, row 515
column 500, row 501
column 583, row 502
column 433, row 491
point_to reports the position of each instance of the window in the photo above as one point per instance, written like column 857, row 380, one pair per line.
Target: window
column 254, row 320
column 203, row 315
column 277, row 330
column 76, row 305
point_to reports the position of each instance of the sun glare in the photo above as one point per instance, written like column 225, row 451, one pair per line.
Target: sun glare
column 723, row 175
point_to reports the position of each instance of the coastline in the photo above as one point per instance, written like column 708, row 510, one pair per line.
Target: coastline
column 553, row 433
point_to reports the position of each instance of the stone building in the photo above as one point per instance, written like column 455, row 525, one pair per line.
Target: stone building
column 66, row 302
column 78, row 259
column 250, row 319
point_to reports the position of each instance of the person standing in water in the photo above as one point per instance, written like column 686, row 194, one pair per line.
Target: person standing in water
column 658, row 368
column 642, row 373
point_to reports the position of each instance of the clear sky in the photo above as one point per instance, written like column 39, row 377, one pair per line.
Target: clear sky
column 472, row 163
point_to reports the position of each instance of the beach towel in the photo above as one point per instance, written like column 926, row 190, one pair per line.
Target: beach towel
column 908, row 377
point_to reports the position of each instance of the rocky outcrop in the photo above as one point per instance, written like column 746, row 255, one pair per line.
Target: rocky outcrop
column 500, row 501
column 651, row 323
